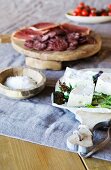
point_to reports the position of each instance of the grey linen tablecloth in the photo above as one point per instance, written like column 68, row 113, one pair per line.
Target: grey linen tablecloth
column 34, row 119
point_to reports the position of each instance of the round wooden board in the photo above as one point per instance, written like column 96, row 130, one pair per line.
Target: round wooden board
column 42, row 64
column 83, row 51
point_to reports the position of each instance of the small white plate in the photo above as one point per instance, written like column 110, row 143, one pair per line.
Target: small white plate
column 75, row 109
column 89, row 20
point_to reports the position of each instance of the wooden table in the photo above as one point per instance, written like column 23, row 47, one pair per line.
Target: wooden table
column 19, row 155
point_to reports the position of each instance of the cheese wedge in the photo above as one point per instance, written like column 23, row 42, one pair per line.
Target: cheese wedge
column 75, row 77
column 71, row 73
column 104, row 84
column 82, row 94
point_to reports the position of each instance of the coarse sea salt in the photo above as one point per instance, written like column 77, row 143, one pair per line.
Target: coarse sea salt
column 20, row 82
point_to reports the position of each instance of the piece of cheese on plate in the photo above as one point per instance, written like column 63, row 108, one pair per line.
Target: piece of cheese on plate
column 82, row 94
column 104, row 84
column 75, row 77
column 71, row 73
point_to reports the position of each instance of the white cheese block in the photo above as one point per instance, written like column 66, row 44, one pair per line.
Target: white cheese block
column 90, row 73
column 71, row 73
column 82, row 94
column 104, row 84
column 75, row 77
column 73, row 82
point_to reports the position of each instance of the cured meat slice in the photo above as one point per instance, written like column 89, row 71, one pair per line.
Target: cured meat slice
column 75, row 28
column 45, row 25
column 34, row 30
column 28, row 33
column 57, row 44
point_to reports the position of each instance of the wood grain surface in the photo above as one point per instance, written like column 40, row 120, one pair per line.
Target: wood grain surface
column 42, row 64
column 20, row 155
column 96, row 164
column 5, row 38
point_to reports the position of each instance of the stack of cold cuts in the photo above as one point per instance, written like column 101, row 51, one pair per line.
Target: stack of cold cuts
column 50, row 44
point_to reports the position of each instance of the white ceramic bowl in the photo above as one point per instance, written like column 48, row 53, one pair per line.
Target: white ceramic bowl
column 88, row 19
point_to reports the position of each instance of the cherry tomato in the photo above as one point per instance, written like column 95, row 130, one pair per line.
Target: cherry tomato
column 84, row 12
column 92, row 14
column 79, row 14
column 109, row 6
column 103, row 10
column 81, row 4
column 98, row 13
column 93, row 8
column 74, row 13
column 87, row 8
column 104, row 14
column 109, row 13
column 78, row 10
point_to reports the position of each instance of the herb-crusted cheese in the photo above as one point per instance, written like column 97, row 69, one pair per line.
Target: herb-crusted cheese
column 104, row 84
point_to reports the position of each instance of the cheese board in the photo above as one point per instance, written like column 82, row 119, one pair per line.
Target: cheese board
column 80, row 53
column 55, row 44
column 49, row 45
column 89, row 118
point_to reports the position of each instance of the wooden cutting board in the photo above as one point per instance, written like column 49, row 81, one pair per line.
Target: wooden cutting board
column 53, row 60
column 83, row 51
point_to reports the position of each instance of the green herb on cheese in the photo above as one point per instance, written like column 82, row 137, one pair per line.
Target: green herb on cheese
column 100, row 100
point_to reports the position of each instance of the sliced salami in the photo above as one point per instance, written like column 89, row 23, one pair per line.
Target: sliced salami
column 53, row 37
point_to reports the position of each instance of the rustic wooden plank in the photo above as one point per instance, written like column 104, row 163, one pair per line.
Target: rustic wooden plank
column 7, row 160
column 19, row 155
column 96, row 164
column 5, row 38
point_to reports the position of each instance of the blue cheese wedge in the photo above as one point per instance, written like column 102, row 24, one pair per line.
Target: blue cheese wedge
column 82, row 94
column 104, row 84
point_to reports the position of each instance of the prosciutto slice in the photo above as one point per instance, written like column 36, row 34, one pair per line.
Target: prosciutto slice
column 28, row 33
column 47, row 30
column 75, row 28
column 34, row 30
column 45, row 25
